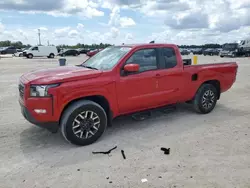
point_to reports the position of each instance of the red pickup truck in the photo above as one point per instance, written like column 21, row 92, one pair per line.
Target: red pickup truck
column 82, row 100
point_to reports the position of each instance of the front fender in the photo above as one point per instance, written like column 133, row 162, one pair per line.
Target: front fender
column 74, row 93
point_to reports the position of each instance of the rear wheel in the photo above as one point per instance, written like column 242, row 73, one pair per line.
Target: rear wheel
column 83, row 122
column 205, row 99
column 51, row 55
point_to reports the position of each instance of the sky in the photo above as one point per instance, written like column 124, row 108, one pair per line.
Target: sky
column 125, row 21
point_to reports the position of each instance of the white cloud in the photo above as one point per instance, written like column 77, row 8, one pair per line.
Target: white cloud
column 125, row 22
column 1, row 27
column 73, row 33
column 61, row 8
column 80, row 26
column 114, row 32
column 114, row 16
column 118, row 21
column 129, row 37
column 175, row 21
column 43, row 28
column 61, row 32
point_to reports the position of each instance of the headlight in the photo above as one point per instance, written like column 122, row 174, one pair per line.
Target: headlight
column 41, row 90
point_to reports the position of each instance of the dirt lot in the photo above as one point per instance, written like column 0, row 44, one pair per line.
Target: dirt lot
column 206, row 150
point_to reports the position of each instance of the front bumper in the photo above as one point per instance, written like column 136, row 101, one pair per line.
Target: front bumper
column 50, row 126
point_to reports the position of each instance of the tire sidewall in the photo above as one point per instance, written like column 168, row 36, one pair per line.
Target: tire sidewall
column 68, row 131
column 30, row 56
column 203, row 89
column 51, row 56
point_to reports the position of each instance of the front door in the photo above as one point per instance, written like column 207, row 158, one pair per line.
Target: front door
column 137, row 91
column 35, row 51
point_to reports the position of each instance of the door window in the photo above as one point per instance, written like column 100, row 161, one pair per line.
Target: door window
column 35, row 48
column 169, row 57
column 146, row 58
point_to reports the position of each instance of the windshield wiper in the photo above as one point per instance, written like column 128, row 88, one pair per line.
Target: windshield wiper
column 89, row 67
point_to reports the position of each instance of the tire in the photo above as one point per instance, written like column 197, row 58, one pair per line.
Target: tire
column 30, row 56
column 71, row 118
column 20, row 55
column 205, row 99
column 51, row 55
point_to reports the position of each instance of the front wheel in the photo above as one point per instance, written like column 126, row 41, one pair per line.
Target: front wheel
column 30, row 56
column 205, row 99
column 83, row 122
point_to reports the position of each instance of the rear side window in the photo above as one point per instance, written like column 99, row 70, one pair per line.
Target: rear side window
column 146, row 58
column 169, row 57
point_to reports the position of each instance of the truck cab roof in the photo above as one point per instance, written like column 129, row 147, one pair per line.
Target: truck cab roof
column 148, row 45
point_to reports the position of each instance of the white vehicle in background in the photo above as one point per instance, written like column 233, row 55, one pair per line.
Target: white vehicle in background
column 19, row 53
column 244, row 46
column 41, row 51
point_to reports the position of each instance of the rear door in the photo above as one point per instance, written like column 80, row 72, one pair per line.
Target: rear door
column 170, row 78
column 137, row 91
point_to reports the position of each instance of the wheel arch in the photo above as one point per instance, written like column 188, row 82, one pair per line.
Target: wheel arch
column 216, row 84
column 99, row 99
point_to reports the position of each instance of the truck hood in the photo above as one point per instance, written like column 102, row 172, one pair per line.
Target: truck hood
column 60, row 74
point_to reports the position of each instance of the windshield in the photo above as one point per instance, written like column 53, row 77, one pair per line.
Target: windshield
column 230, row 46
column 107, row 58
column 242, row 42
column 31, row 47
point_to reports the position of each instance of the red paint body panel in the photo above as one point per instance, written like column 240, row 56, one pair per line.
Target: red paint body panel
column 125, row 94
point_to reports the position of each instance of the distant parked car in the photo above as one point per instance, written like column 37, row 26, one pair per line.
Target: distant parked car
column 184, row 52
column 211, row 51
column 8, row 50
column 19, row 53
column 93, row 52
column 69, row 52
column 83, row 51
column 198, row 51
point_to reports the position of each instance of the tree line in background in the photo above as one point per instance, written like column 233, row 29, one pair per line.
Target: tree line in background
column 19, row 44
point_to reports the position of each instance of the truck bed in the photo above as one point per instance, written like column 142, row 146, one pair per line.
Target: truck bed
column 225, row 73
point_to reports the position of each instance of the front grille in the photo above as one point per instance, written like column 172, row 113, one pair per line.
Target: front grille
column 21, row 90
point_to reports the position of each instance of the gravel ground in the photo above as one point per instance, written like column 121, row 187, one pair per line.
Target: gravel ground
column 210, row 150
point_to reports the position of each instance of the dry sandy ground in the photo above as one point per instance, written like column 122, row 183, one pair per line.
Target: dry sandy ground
column 206, row 150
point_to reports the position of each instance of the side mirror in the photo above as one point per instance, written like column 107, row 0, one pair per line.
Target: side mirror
column 131, row 67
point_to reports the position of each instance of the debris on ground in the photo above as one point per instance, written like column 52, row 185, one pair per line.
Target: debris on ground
column 159, row 177
column 107, row 178
column 166, row 151
column 144, row 180
column 123, row 154
column 110, row 182
column 105, row 152
column 78, row 169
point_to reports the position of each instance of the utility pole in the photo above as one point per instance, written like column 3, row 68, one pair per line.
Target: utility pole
column 48, row 42
column 39, row 36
